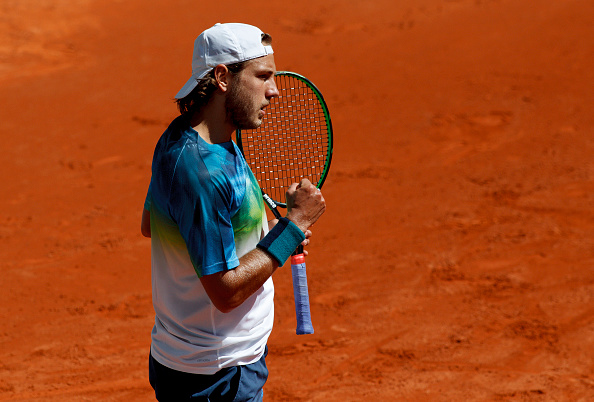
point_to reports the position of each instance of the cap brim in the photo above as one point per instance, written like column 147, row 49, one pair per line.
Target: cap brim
column 187, row 88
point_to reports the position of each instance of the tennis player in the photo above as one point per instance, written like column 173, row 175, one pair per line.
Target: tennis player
column 213, row 251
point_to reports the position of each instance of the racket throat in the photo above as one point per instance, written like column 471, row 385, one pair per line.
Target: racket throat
column 271, row 204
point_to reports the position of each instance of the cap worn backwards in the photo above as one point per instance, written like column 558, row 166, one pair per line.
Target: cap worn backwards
column 223, row 44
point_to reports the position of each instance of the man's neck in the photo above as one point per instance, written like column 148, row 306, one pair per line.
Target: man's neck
column 211, row 124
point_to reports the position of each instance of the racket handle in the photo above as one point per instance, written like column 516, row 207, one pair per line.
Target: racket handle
column 301, row 295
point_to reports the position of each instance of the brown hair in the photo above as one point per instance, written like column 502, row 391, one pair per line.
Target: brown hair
column 200, row 95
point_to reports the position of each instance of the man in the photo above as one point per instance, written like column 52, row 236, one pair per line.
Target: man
column 213, row 253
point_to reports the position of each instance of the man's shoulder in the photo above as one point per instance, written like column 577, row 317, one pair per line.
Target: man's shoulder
column 174, row 140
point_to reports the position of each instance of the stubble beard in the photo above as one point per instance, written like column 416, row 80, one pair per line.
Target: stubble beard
column 240, row 108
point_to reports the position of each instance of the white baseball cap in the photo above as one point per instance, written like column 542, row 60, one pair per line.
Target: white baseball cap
column 223, row 44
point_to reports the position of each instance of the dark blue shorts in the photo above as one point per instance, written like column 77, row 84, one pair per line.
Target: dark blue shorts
column 233, row 384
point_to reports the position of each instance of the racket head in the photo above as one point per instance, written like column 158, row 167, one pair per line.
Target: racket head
column 294, row 141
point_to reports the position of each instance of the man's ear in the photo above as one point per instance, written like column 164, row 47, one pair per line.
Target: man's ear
column 222, row 76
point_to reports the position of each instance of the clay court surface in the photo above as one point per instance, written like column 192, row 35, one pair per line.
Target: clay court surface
column 455, row 261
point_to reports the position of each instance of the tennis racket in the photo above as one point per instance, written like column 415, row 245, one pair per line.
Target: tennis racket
column 293, row 142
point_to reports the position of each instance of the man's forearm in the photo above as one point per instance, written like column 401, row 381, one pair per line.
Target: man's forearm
column 229, row 289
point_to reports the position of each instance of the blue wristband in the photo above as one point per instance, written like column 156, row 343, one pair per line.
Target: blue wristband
column 282, row 240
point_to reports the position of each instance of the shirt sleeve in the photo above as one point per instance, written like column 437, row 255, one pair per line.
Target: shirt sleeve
column 200, row 203
column 147, row 200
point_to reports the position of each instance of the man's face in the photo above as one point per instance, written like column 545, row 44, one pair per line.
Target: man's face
column 250, row 92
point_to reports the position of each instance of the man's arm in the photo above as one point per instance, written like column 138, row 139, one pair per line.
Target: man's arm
column 145, row 225
column 229, row 289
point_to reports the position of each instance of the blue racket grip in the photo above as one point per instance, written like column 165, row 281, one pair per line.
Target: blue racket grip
column 301, row 295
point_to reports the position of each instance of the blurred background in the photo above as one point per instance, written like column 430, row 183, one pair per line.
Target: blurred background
column 455, row 261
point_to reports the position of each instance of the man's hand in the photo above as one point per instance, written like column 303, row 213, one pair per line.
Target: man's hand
column 305, row 204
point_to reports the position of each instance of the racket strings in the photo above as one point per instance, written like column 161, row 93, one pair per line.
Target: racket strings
column 292, row 142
